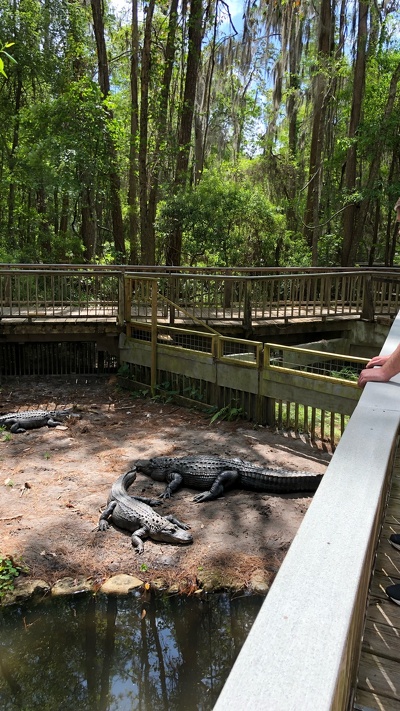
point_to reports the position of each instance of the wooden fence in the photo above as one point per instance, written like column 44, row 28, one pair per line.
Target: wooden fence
column 305, row 391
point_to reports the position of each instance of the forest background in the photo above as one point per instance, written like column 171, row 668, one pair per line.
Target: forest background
column 170, row 133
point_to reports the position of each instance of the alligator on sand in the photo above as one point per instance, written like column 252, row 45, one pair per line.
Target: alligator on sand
column 33, row 419
column 215, row 474
column 134, row 513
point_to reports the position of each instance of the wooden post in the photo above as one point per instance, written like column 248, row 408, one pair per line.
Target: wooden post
column 368, row 311
column 247, row 317
column 153, row 376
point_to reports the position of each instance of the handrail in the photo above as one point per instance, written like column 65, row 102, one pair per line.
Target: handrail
column 303, row 649
column 245, row 297
column 193, row 270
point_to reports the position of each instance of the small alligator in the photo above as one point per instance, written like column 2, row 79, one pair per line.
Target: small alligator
column 216, row 474
column 134, row 513
column 32, row 419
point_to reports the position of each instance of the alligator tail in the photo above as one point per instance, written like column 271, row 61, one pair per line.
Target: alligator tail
column 281, row 481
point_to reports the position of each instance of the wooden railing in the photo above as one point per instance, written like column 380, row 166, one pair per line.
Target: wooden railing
column 59, row 294
column 239, row 295
column 297, row 389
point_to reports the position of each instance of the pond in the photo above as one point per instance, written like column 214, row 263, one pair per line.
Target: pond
column 107, row 653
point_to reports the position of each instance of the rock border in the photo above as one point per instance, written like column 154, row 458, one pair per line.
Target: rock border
column 123, row 584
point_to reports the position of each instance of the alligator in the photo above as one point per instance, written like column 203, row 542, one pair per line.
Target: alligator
column 134, row 513
column 32, row 419
column 214, row 475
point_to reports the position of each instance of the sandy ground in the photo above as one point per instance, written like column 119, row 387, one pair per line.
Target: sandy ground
column 54, row 483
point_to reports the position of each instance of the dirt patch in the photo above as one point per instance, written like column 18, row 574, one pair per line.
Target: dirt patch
column 54, row 483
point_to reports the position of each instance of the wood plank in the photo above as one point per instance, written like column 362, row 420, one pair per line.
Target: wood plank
column 388, row 563
column 382, row 639
column 379, row 583
column 380, row 676
column 368, row 701
column 384, row 611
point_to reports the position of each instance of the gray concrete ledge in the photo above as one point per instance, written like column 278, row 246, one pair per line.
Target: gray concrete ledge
column 303, row 649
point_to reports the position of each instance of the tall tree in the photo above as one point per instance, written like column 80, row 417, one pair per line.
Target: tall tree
column 174, row 249
column 133, row 188
column 320, row 99
column 349, row 214
column 104, row 82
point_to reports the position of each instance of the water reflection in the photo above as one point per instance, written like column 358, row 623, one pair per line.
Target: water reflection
column 121, row 654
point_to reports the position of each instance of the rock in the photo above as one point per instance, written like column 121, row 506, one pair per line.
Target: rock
column 25, row 589
column 260, row 582
column 216, row 580
column 120, row 584
column 71, row 586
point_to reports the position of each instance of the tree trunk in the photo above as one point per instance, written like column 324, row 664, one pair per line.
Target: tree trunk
column 375, row 163
column 162, row 117
column 320, row 93
column 104, row 82
column 349, row 214
column 11, row 161
column 88, row 225
column 134, row 133
column 146, row 237
column 173, row 256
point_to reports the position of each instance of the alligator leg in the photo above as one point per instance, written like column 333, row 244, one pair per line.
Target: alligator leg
column 136, row 539
column 221, row 482
column 53, row 423
column 176, row 521
column 16, row 428
column 174, row 481
column 103, row 523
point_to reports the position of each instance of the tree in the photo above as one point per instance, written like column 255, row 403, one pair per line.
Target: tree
column 349, row 214
column 104, row 82
column 173, row 255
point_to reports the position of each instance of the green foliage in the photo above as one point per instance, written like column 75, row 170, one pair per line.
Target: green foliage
column 165, row 393
column 346, row 373
column 250, row 154
column 225, row 222
column 10, row 568
column 230, row 413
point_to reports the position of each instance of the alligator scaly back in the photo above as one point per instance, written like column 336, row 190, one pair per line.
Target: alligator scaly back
column 215, row 474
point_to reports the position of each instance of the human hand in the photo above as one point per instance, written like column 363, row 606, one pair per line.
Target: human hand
column 370, row 374
column 377, row 360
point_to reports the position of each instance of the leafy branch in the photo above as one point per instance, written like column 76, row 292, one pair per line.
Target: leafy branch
column 6, row 54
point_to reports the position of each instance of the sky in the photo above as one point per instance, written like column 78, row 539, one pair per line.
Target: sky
column 235, row 9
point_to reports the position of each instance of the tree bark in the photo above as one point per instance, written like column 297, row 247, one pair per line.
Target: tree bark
column 174, row 250
column 320, row 93
column 375, row 163
column 133, row 189
column 104, row 82
column 349, row 214
column 147, row 241
column 162, row 117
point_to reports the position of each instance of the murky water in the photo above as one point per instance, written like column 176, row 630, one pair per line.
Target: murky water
column 121, row 654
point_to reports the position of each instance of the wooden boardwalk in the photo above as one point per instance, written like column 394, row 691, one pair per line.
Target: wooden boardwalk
column 378, row 687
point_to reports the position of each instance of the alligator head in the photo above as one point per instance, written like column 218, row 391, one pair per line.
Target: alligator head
column 172, row 534
column 151, row 468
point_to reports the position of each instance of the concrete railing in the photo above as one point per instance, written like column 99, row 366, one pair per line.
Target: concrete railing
column 303, row 649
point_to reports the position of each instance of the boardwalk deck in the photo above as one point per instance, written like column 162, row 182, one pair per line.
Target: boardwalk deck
column 379, row 672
